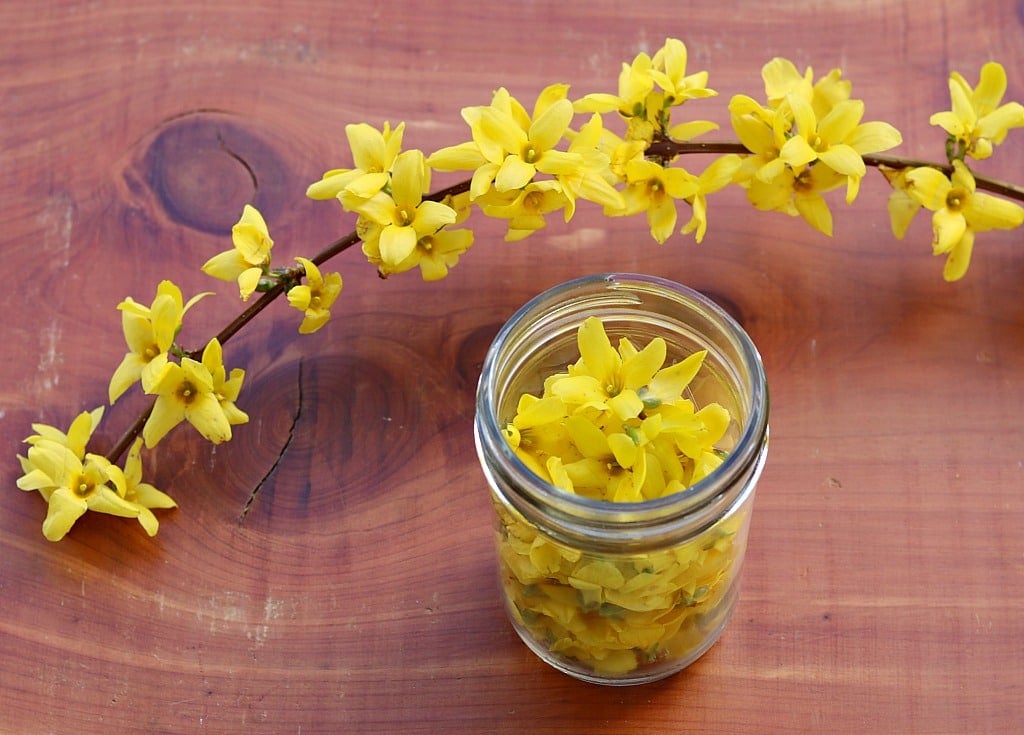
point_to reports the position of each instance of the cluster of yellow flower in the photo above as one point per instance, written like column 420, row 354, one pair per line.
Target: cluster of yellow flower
column 616, row 426
column 613, row 614
column 804, row 140
column 199, row 391
column 72, row 480
column 977, row 122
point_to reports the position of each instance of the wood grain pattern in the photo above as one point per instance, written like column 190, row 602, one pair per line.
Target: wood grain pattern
column 331, row 570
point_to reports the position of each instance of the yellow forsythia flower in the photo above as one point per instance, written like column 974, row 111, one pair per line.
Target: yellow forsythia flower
column 249, row 259
column 616, row 427
column 403, row 216
column 186, row 392
column 373, row 152
column 315, row 297
column 149, row 332
column 958, row 212
column 978, row 121
column 143, row 494
column 73, row 481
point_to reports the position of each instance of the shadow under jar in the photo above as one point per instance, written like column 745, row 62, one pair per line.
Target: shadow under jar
column 622, row 592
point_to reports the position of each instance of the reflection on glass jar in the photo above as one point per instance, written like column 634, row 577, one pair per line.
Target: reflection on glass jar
column 622, row 592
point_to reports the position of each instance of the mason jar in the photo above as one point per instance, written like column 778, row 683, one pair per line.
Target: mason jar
column 622, row 592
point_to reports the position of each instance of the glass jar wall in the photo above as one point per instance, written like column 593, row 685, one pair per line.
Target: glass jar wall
column 622, row 592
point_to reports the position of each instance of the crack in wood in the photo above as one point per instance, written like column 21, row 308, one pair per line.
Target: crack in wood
column 241, row 160
column 284, row 450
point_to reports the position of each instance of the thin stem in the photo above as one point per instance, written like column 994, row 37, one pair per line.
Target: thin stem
column 666, row 150
column 130, row 434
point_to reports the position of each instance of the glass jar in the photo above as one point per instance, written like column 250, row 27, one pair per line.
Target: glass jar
column 622, row 593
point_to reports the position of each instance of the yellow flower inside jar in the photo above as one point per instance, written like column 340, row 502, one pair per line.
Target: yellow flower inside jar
column 622, row 426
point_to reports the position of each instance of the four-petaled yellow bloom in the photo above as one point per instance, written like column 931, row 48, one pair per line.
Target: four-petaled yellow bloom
column 186, row 392
column 315, row 297
column 149, row 332
column 525, row 208
column 959, row 211
column 226, row 386
column 615, row 426
column 73, row 480
column 249, row 260
column 654, row 189
column 373, row 152
column 403, row 215
column 978, row 121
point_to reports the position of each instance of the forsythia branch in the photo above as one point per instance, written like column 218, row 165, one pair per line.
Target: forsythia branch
column 804, row 139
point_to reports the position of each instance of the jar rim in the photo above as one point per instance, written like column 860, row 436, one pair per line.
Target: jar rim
column 748, row 452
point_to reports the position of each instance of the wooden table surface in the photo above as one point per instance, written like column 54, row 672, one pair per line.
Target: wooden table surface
column 331, row 569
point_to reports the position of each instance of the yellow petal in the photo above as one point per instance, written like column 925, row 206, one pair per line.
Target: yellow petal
column 902, row 207
column 780, row 77
column 669, row 383
column 599, row 574
column 988, row 212
column 624, row 449
column 410, row 178
column 691, row 129
column 396, row 244
column 462, row 157
column 638, row 370
column 300, row 296
column 996, row 124
column 600, row 358
column 841, row 121
column 105, row 500
column 514, row 173
column 502, row 129
column 311, row 323
column 367, row 145
column 797, row 152
column 579, row 390
column 843, row 159
column 949, row 122
column 331, row 184
column 626, row 405
column 125, row 376
column 248, row 280
column 960, row 96
column 991, row 88
column 64, row 509
column 547, row 129
column 368, row 185
column 558, row 475
column 207, row 416
column 167, row 413
column 815, row 211
column 959, row 258
column 537, row 412
column 948, row 228
column 588, row 439
column 873, row 137
column 225, row 266
column 661, row 217
column 928, row 186
column 148, row 521
column 432, row 216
